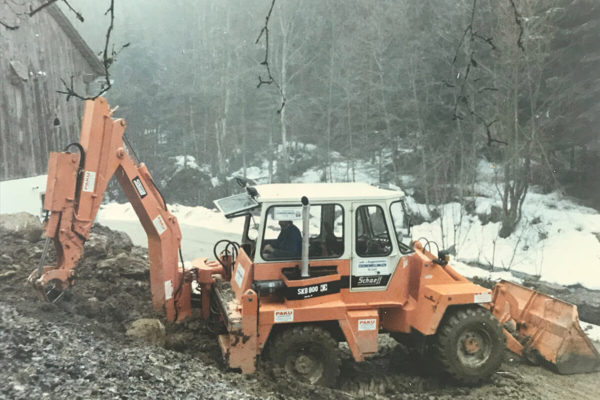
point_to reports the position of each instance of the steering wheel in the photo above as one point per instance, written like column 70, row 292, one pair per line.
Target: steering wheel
column 380, row 243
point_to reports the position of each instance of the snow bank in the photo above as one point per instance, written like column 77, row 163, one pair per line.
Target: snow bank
column 342, row 171
column 22, row 195
column 187, row 161
column 257, row 174
column 592, row 331
column 192, row 216
column 557, row 240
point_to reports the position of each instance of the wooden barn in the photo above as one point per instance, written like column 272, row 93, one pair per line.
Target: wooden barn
column 35, row 53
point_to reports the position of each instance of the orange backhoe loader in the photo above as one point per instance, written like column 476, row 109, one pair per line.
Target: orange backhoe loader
column 350, row 273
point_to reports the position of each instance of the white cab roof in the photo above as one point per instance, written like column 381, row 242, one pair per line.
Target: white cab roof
column 293, row 192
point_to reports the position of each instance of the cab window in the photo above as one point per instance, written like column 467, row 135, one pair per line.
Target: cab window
column 282, row 238
column 372, row 235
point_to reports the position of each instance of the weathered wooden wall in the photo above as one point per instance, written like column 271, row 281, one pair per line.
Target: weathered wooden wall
column 34, row 118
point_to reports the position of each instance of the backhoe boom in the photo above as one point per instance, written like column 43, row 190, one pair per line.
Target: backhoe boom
column 75, row 189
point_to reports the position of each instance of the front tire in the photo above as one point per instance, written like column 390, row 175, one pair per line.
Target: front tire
column 308, row 354
column 470, row 344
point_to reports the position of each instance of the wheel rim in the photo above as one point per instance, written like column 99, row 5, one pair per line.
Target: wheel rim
column 304, row 364
column 474, row 347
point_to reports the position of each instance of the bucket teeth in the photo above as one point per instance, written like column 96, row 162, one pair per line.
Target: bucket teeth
column 50, row 291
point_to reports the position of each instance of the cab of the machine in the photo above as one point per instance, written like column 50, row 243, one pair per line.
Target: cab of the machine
column 360, row 230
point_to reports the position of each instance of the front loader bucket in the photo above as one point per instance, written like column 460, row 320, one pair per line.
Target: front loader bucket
column 543, row 328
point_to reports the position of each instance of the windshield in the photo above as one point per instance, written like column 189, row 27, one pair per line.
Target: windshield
column 401, row 225
column 236, row 205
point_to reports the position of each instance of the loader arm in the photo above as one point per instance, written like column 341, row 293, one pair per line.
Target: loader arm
column 74, row 192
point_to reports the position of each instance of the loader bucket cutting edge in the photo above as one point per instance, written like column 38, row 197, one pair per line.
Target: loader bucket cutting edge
column 545, row 326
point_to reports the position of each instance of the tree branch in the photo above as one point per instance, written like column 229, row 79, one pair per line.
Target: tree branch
column 41, row 7
column 488, row 40
column 9, row 27
column 77, row 13
column 33, row 11
column 270, row 79
column 519, row 22
column 471, row 62
column 107, row 60
column 488, row 130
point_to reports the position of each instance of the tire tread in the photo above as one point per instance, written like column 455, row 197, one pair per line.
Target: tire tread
column 445, row 335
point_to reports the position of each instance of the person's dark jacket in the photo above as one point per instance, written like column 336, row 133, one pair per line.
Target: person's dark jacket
column 288, row 243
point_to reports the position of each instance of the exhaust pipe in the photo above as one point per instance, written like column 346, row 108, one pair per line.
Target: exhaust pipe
column 305, row 234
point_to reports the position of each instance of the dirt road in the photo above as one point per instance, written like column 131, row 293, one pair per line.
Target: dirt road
column 77, row 348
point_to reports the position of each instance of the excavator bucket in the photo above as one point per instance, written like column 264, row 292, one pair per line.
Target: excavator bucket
column 543, row 329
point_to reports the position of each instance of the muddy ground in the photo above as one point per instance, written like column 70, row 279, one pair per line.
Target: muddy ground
column 77, row 348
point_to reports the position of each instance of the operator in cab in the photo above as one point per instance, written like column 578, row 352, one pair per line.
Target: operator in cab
column 288, row 244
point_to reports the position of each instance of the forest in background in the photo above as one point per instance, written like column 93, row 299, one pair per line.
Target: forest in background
column 423, row 88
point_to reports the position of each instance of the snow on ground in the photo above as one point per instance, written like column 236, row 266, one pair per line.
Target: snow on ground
column 469, row 271
column 592, row 331
column 257, row 174
column 22, row 195
column 192, row 216
column 187, row 161
column 342, row 171
column 556, row 239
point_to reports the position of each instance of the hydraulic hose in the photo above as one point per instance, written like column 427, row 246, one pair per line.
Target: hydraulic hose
column 79, row 169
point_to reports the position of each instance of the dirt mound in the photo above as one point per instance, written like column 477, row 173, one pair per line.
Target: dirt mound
column 78, row 347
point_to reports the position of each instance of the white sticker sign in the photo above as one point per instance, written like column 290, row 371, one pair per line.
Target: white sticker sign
column 287, row 213
column 89, row 181
column 367, row 324
column 283, row 316
column 139, row 187
column 239, row 275
column 482, row 298
column 168, row 290
column 159, row 224
column 376, row 266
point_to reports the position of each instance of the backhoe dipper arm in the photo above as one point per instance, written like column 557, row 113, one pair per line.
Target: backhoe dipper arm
column 74, row 194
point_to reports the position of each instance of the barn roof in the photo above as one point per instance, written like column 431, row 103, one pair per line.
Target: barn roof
column 86, row 52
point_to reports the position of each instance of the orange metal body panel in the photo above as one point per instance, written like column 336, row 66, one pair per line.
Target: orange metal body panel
column 437, row 298
column 60, row 200
column 241, row 347
column 309, row 281
column 361, row 329
column 243, row 275
column 416, row 297
column 62, row 176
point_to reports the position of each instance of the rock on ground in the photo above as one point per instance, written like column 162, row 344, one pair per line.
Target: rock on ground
column 149, row 330
column 23, row 225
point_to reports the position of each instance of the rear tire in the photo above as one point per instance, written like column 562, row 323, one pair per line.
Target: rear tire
column 308, row 354
column 470, row 344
